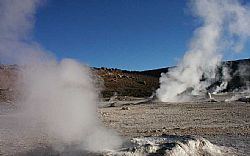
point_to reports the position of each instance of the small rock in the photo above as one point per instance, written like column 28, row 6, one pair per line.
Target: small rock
column 244, row 99
column 125, row 108
column 112, row 105
column 154, row 131
column 146, row 131
column 104, row 114
column 212, row 100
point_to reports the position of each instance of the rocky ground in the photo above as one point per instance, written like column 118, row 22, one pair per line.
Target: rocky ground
column 222, row 123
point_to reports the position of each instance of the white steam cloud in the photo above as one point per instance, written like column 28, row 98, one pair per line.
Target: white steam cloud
column 225, row 26
column 58, row 99
column 16, row 44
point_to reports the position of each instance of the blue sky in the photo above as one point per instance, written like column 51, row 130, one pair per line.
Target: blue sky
column 125, row 34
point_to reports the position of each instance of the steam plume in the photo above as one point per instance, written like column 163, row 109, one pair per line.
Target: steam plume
column 225, row 27
column 58, row 98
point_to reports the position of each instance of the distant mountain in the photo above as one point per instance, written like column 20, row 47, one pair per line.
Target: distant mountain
column 144, row 83
column 129, row 83
column 239, row 71
column 132, row 83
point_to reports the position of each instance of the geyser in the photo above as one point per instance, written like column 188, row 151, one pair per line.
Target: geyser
column 58, row 99
column 61, row 97
column 225, row 27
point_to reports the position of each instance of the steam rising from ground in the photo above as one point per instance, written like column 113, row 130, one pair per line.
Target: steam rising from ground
column 57, row 99
column 225, row 27
column 61, row 97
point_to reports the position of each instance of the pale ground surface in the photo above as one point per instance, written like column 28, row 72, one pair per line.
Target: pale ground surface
column 222, row 123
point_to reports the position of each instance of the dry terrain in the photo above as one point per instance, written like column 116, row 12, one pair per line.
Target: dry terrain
column 223, row 123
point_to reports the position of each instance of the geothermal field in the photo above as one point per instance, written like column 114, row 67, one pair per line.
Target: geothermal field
column 142, row 126
column 54, row 105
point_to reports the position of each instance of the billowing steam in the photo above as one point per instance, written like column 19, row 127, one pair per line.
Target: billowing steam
column 58, row 99
column 226, row 77
column 225, row 27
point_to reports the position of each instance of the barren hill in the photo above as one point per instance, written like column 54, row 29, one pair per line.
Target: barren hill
column 131, row 83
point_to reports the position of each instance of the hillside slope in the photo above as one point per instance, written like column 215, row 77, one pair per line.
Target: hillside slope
column 131, row 83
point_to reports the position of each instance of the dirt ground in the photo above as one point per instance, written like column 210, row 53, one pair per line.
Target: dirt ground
column 222, row 123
